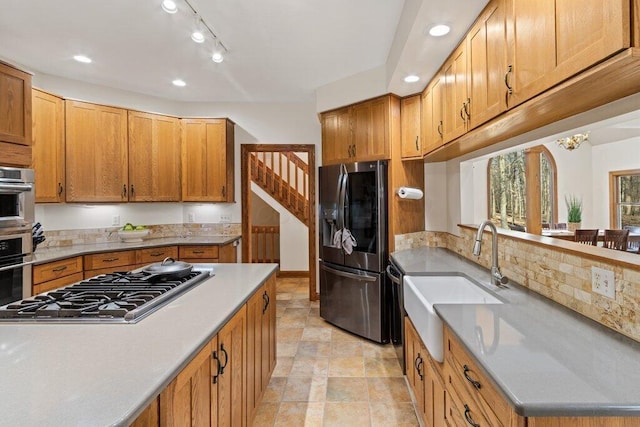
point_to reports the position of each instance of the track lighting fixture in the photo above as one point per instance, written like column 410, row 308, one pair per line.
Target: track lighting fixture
column 217, row 56
column 169, row 6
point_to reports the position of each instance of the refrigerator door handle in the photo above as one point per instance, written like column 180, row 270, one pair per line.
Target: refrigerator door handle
column 341, row 196
column 364, row 277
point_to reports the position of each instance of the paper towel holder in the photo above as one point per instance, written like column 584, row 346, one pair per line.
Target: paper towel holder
column 410, row 193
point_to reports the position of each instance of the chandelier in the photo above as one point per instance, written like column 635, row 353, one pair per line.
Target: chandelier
column 572, row 142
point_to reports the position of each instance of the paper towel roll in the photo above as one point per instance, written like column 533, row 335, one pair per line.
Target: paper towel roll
column 410, row 193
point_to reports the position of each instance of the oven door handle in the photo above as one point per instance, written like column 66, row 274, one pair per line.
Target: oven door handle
column 12, row 266
column 395, row 279
column 16, row 187
column 348, row 275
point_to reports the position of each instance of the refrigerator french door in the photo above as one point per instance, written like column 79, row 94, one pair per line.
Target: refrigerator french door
column 353, row 199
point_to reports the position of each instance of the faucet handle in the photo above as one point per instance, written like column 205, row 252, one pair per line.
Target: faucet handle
column 498, row 278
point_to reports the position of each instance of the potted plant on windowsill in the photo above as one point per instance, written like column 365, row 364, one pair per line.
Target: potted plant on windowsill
column 574, row 212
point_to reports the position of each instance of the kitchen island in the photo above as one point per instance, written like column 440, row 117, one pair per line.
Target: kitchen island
column 544, row 361
column 88, row 374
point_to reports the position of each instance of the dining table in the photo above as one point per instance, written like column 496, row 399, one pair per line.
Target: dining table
column 569, row 235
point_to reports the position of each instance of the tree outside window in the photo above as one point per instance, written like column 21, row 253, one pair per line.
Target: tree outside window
column 508, row 189
column 625, row 198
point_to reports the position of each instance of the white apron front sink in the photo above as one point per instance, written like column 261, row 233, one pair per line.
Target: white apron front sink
column 422, row 292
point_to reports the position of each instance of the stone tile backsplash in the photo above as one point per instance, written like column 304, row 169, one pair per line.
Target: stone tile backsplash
column 59, row 238
column 562, row 277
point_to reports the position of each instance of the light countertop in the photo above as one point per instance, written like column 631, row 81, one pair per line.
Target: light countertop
column 545, row 359
column 106, row 374
column 43, row 255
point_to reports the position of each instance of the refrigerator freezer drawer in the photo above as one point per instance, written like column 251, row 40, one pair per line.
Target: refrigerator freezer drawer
column 354, row 300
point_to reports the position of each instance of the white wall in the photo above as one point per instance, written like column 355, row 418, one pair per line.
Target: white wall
column 294, row 235
column 358, row 87
column 256, row 123
column 435, row 196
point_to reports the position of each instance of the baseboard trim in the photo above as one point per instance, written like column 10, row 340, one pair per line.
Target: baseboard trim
column 292, row 274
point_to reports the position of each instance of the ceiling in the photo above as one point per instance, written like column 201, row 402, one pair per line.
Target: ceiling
column 279, row 50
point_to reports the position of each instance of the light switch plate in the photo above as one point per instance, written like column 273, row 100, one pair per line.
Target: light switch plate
column 603, row 282
column 191, row 217
column 225, row 218
column 115, row 220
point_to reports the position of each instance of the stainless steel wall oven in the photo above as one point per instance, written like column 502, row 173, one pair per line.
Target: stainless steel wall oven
column 17, row 198
column 15, row 266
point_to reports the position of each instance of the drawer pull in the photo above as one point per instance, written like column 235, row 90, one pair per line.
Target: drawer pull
column 418, row 364
column 59, row 269
column 198, row 252
column 214, row 378
column 157, row 253
column 467, row 416
column 475, row 383
column 110, row 259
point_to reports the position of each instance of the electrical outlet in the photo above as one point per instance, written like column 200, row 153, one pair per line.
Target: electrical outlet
column 191, row 217
column 603, row 282
column 225, row 218
column 115, row 220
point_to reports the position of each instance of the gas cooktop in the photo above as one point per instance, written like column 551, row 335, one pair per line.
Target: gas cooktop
column 117, row 297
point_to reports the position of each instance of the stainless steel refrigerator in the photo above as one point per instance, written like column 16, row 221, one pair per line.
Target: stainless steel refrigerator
column 353, row 248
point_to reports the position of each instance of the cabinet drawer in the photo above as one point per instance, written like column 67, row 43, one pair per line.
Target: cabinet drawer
column 462, row 412
column 147, row 256
column 198, row 252
column 109, row 259
column 472, row 381
column 57, row 283
column 54, row 270
column 107, row 270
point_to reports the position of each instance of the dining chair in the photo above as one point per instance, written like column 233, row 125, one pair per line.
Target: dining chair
column 560, row 226
column 545, row 226
column 633, row 245
column 586, row 236
column 616, row 239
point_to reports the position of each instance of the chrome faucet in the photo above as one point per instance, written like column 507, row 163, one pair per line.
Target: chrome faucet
column 496, row 277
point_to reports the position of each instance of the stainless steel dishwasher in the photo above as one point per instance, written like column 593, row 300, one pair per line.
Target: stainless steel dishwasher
column 394, row 275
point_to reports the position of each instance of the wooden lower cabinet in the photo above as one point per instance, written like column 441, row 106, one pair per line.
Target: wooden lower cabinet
column 232, row 372
column 261, row 345
column 208, row 253
column 56, row 274
column 108, row 262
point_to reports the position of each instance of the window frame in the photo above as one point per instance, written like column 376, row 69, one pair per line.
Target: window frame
column 615, row 222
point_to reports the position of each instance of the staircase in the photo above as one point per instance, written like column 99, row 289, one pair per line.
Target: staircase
column 284, row 176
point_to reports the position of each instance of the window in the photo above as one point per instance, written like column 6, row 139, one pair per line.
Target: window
column 625, row 198
column 508, row 188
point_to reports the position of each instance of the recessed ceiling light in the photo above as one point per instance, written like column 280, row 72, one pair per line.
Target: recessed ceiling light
column 197, row 36
column 169, row 6
column 179, row 83
column 217, row 57
column 412, row 78
column 82, row 58
column 439, row 30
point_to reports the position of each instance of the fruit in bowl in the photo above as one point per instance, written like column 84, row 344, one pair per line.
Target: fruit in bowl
column 132, row 233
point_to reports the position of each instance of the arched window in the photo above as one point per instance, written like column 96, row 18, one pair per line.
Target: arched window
column 508, row 188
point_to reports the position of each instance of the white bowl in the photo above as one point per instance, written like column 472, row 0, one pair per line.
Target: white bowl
column 133, row 235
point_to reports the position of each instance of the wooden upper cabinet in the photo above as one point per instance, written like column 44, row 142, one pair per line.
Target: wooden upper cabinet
column 410, row 116
column 96, row 153
column 552, row 40
column 15, row 105
column 336, row 136
column 456, row 99
column 487, row 60
column 370, row 121
column 207, row 160
column 431, row 121
column 154, row 158
column 48, row 147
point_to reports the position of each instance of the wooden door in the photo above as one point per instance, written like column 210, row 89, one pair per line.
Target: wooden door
column 487, row 59
column 336, row 136
column 187, row 399
column 154, row 158
column 15, row 105
column 456, row 101
column 48, row 147
column 232, row 376
column 410, row 113
column 532, row 39
column 96, row 153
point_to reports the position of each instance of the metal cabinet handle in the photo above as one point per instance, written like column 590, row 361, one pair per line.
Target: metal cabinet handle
column 466, row 106
column 265, row 298
column 462, row 114
column 467, row 416
column 475, row 383
column 418, row 364
column 198, row 252
column 417, row 146
column 156, row 253
column 110, row 259
column 132, row 190
column 60, row 189
column 59, row 269
column 226, row 359
column 214, row 379
column 224, row 191
column 124, row 190
column 440, row 129
column 506, row 79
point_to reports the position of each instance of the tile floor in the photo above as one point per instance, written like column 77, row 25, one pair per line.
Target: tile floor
column 328, row 377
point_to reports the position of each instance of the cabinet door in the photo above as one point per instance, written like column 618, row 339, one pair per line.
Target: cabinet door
column 487, row 55
column 15, row 105
column 415, row 361
column 410, row 112
column 336, row 136
column 256, row 307
column 154, row 158
column 187, row 399
column 232, row 374
column 96, row 153
column 431, row 120
column 371, row 130
column 269, row 332
column 456, row 109
column 48, row 147
column 217, row 185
